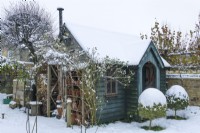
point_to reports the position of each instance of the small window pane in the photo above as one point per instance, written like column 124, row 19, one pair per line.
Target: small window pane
column 109, row 89
column 111, row 86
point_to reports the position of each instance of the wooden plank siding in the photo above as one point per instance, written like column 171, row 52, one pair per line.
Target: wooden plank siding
column 112, row 108
column 125, row 102
column 117, row 107
column 132, row 94
column 163, row 85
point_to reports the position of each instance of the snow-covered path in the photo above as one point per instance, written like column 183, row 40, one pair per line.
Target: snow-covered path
column 15, row 121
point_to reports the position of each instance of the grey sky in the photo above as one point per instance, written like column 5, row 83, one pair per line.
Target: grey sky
column 126, row 16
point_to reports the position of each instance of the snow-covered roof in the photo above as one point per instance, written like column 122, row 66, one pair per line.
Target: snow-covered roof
column 115, row 45
column 25, row 62
column 165, row 62
column 54, row 57
column 125, row 47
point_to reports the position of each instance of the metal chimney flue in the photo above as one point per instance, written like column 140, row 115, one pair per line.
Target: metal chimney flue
column 60, row 19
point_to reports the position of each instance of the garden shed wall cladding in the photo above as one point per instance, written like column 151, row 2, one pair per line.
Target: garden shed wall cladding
column 127, row 48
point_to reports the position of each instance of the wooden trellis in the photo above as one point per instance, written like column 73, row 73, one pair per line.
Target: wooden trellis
column 54, row 85
column 50, row 91
column 60, row 86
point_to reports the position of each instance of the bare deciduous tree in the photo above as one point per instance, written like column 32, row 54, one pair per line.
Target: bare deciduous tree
column 26, row 25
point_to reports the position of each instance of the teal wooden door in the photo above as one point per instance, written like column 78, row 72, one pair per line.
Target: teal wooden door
column 149, row 76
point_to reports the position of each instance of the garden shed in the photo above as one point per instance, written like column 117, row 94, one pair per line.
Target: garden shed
column 142, row 57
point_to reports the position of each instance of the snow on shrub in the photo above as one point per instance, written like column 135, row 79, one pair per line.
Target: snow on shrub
column 152, row 104
column 177, row 98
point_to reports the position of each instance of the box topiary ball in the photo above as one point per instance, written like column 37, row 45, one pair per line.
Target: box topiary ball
column 152, row 104
column 177, row 98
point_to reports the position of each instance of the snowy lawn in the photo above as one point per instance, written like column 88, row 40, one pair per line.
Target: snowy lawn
column 15, row 121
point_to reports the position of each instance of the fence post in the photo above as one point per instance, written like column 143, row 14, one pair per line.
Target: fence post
column 69, row 121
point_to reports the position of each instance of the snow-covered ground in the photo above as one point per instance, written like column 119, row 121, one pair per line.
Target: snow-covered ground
column 16, row 120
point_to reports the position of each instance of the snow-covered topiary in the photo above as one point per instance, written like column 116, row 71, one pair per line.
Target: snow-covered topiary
column 177, row 98
column 152, row 104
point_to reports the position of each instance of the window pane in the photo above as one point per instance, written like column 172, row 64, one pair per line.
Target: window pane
column 113, row 86
column 109, row 89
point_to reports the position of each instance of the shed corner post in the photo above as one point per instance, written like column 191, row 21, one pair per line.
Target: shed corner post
column 69, row 120
column 48, row 90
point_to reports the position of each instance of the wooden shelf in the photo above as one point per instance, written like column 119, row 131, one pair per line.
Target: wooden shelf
column 76, row 111
column 73, row 83
column 74, row 92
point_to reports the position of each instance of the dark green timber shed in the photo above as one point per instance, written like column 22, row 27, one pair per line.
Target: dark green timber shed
column 142, row 57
